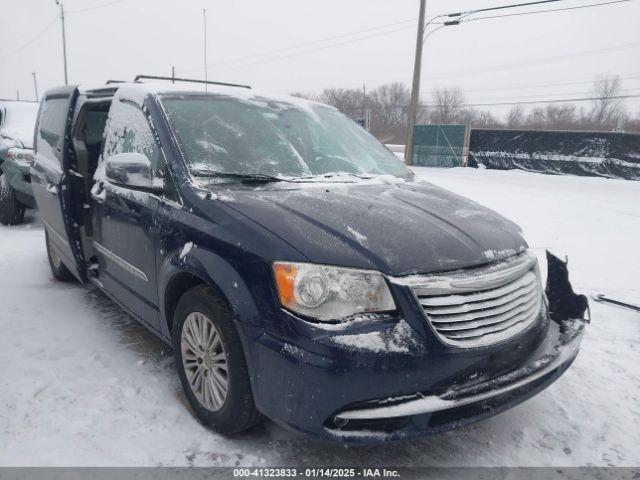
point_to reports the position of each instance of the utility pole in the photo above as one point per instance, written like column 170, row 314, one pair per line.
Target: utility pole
column 415, row 88
column 422, row 26
column 35, row 84
column 18, row 95
column 364, row 105
column 64, row 42
column 204, row 13
column 173, row 74
column 364, row 100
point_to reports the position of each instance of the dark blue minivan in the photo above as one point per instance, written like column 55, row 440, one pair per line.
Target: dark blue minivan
column 294, row 264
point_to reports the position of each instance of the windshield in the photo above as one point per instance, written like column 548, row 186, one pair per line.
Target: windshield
column 230, row 135
column 19, row 122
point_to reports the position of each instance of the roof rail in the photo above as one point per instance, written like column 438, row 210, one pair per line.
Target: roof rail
column 102, row 92
column 109, row 82
column 16, row 100
column 190, row 80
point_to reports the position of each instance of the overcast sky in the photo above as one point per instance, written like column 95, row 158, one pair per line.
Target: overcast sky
column 519, row 58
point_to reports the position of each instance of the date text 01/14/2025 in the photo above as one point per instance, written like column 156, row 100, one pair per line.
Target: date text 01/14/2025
column 316, row 472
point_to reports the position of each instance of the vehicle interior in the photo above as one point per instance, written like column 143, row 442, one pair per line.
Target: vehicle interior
column 83, row 162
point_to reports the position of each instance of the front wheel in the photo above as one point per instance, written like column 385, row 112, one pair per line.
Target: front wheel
column 60, row 272
column 211, row 362
column 11, row 210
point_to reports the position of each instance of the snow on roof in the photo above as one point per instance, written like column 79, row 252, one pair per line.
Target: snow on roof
column 138, row 91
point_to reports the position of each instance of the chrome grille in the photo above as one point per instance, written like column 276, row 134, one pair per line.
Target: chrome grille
column 483, row 306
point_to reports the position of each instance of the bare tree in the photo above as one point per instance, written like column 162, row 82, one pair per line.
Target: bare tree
column 447, row 105
column 536, row 119
column 486, row 119
column 476, row 118
column 633, row 124
column 515, row 117
column 347, row 100
column 560, row 117
column 606, row 109
column 389, row 110
column 389, row 105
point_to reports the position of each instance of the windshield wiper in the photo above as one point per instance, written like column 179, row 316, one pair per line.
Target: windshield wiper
column 242, row 177
column 338, row 176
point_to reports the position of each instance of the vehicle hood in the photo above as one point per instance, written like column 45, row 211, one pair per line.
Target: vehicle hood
column 399, row 228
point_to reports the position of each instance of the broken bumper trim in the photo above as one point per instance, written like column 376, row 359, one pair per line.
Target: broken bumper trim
column 563, row 354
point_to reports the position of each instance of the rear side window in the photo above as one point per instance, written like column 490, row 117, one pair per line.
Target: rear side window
column 51, row 128
column 128, row 130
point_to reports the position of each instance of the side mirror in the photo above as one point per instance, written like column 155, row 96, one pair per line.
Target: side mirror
column 132, row 170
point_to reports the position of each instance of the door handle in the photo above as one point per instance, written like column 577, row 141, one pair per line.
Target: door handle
column 98, row 192
column 52, row 189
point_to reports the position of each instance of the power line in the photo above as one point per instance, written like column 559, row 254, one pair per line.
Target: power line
column 531, row 102
column 412, row 20
column 544, row 95
column 305, row 52
column 456, row 74
column 461, row 17
column 547, row 10
column 314, row 42
column 96, row 7
column 31, row 41
column 526, row 63
column 41, row 32
column 557, row 100
column 541, row 85
column 502, row 7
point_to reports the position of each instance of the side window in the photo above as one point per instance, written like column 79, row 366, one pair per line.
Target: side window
column 94, row 127
column 128, row 130
column 51, row 127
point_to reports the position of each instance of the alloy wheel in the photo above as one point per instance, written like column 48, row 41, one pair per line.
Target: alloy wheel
column 205, row 361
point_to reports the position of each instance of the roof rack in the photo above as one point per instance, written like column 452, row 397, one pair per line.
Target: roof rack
column 190, row 80
column 102, row 92
column 109, row 82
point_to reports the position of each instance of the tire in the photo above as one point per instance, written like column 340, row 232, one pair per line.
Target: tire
column 229, row 413
column 11, row 210
column 60, row 272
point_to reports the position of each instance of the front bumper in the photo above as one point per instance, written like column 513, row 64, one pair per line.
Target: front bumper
column 392, row 379
column 504, row 391
column 319, row 395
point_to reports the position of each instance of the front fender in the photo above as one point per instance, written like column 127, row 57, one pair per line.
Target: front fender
column 213, row 270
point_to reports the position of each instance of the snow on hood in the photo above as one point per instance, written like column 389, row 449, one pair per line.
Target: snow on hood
column 398, row 228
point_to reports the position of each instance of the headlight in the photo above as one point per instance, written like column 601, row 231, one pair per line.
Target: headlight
column 331, row 293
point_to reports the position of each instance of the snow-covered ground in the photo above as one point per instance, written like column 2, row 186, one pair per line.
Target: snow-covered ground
column 82, row 384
